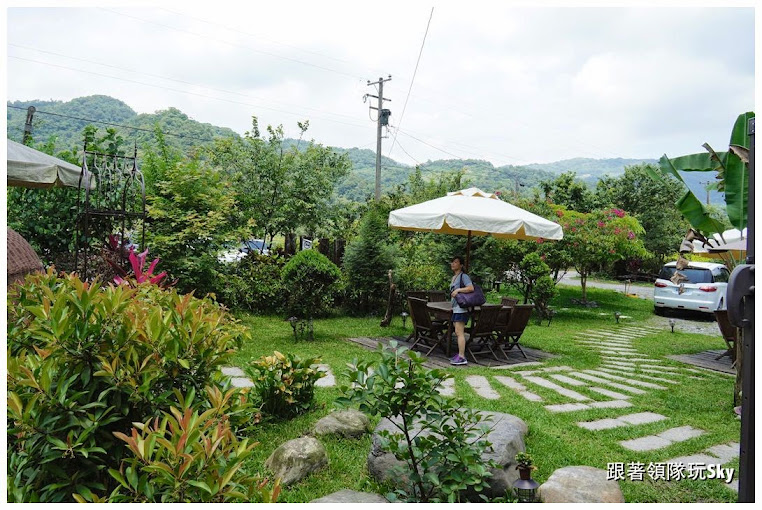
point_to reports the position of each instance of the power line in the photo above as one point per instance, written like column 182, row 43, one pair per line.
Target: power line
column 432, row 146
column 412, row 80
column 171, row 79
column 114, row 124
column 233, row 29
column 180, row 91
column 206, row 38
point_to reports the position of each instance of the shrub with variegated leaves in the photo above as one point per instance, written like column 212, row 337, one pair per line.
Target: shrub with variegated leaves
column 284, row 383
column 85, row 361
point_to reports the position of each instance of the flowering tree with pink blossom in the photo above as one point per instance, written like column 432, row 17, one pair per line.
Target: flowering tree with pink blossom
column 599, row 238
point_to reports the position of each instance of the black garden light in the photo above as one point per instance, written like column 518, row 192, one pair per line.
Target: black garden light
column 672, row 324
column 526, row 490
column 404, row 316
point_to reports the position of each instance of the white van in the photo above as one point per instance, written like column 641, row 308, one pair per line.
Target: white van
column 704, row 291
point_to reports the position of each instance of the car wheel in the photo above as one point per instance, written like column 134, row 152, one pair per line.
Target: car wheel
column 660, row 311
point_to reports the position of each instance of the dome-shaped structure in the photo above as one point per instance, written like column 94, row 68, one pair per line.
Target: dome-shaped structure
column 22, row 259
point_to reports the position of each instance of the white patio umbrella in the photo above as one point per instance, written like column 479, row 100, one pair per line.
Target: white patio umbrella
column 30, row 168
column 473, row 212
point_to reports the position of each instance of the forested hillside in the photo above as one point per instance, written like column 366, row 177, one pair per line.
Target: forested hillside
column 65, row 120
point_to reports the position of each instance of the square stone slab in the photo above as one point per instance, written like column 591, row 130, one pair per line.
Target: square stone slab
column 726, row 452
column 644, row 444
column 241, row 382
column 566, row 408
column 232, row 371
column 608, row 423
column 609, row 393
column 680, row 433
column 611, row 404
column 642, row 418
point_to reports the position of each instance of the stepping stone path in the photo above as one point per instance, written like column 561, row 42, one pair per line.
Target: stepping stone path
column 662, row 440
column 624, row 374
column 239, row 380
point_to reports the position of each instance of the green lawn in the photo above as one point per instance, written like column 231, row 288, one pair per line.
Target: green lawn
column 554, row 439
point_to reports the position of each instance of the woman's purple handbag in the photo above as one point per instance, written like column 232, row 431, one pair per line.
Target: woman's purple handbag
column 470, row 299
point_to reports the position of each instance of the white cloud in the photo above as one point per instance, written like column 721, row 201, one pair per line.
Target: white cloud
column 507, row 84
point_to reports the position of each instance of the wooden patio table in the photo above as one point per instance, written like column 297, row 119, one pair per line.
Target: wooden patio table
column 442, row 310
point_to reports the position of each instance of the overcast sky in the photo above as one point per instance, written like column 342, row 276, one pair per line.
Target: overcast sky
column 508, row 84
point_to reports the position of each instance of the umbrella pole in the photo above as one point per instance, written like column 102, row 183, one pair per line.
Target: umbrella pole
column 468, row 251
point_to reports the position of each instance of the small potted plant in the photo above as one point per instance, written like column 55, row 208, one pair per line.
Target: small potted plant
column 525, row 465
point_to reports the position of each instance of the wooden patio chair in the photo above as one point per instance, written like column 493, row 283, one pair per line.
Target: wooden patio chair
column 437, row 296
column 729, row 334
column 509, row 301
column 508, row 337
column 425, row 330
column 418, row 294
column 482, row 332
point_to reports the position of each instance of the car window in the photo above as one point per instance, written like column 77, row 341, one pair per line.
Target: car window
column 694, row 275
column 721, row 275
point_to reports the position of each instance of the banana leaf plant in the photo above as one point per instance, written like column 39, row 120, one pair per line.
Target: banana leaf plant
column 732, row 168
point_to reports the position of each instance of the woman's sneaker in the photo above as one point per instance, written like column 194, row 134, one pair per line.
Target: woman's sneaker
column 458, row 360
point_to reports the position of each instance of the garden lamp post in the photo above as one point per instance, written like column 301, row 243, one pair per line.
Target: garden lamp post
column 526, row 490
column 672, row 324
column 404, row 316
column 617, row 315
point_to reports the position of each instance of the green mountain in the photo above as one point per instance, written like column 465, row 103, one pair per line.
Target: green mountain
column 64, row 120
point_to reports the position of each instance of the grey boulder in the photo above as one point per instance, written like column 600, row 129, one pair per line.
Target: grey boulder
column 296, row 459
column 506, row 436
column 580, row 484
column 350, row 496
column 346, row 423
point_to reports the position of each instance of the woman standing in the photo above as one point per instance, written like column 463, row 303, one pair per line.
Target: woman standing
column 461, row 282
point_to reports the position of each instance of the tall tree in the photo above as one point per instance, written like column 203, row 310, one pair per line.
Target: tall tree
column 280, row 189
column 650, row 201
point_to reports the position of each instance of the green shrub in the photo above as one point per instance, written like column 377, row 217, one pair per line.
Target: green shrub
column 543, row 291
column 84, row 362
column 254, row 284
column 284, row 384
column 311, row 281
column 190, row 455
column 367, row 261
column 445, row 457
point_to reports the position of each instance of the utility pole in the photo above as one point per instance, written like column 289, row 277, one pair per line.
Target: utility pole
column 28, row 126
column 383, row 120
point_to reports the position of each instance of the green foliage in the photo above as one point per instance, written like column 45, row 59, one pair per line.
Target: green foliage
column 598, row 239
column 280, row 189
column 284, row 383
column 569, row 192
column 644, row 197
column 254, row 283
column 367, row 261
column 543, row 291
column 444, row 458
column 524, row 275
column 190, row 223
column 311, row 281
column 190, row 455
column 84, row 362
column 524, row 461
column 732, row 174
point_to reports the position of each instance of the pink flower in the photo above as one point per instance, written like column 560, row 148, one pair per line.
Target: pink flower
column 601, row 224
column 574, row 229
column 580, row 221
column 559, row 213
column 617, row 230
column 542, row 257
column 630, row 235
column 618, row 212
column 540, row 240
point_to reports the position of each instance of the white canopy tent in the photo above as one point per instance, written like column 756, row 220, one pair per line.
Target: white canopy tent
column 473, row 212
column 30, row 168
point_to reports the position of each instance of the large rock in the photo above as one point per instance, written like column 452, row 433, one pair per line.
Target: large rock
column 506, row 436
column 347, row 423
column 296, row 459
column 580, row 484
column 350, row 496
